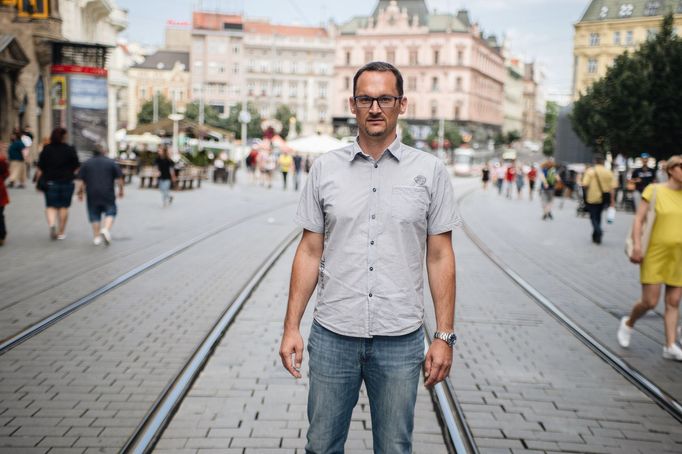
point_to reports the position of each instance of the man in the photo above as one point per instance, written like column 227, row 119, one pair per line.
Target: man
column 298, row 168
column 642, row 178
column 17, row 163
column 599, row 183
column 370, row 212
column 96, row 178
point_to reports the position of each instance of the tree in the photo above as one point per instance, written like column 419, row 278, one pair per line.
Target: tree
column 405, row 134
column 146, row 114
column 451, row 137
column 635, row 107
column 283, row 114
column 253, row 128
column 551, row 116
column 211, row 116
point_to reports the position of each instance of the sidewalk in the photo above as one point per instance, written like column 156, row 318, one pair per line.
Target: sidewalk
column 245, row 402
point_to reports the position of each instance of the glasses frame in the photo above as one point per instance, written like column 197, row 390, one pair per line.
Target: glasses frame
column 395, row 101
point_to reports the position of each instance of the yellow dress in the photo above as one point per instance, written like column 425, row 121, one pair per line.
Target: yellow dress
column 663, row 260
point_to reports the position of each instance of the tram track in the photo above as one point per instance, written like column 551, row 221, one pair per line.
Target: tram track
column 634, row 376
column 37, row 327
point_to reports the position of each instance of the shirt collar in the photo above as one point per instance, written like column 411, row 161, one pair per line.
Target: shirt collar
column 395, row 148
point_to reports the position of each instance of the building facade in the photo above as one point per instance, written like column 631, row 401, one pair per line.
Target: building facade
column 533, row 103
column 233, row 60
column 164, row 73
column 514, row 85
column 610, row 27
column 449, row 70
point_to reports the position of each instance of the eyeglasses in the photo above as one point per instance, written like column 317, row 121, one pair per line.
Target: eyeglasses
column 385, row 102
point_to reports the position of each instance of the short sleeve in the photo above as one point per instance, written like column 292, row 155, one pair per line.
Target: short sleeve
column 75, row 163
column 442, row 215
column 310, row 214
column 117, row 170
column 648, row 192
column 82, row 172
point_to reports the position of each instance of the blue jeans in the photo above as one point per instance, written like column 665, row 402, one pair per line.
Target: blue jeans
column 389, row 366
column 165, row 187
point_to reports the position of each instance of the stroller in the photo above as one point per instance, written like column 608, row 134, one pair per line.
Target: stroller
column 581, row 210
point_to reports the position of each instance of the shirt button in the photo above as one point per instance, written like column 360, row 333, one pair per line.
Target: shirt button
column 372, row 242
column 371, row 268
column 376, row 165
column 374, row 216
column 374, row 189
column 370, row 295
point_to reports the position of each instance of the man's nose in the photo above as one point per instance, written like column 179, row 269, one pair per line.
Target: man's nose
column 374, row 107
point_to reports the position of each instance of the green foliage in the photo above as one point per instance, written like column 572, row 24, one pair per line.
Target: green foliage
column 146, row 114
column 635, row 107
column 253, row 129
column 283, row 115
column 211, row 116
column 451, row 134
column 405, row 134
column 551, row 116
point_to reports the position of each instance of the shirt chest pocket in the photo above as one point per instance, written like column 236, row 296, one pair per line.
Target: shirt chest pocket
column 409, row 203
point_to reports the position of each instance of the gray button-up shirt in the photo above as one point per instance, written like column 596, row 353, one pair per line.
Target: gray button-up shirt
column 375, row 217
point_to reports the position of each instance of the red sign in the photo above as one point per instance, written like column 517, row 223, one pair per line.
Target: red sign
column 178, row 23
column 74, row 69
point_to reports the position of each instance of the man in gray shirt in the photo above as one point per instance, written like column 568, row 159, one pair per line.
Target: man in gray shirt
column 370, row 213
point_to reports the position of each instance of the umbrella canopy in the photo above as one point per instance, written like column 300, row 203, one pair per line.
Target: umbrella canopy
column 316, row 144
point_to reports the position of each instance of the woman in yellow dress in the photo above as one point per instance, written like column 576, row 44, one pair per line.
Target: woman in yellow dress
column 662, row 263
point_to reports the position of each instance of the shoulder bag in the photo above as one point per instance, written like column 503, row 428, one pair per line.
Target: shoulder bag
column 646, row 228
column 605, row 196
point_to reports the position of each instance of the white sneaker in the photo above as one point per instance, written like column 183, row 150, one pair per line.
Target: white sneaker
column 624, row 333
column 97, row 240
column 106, row 235
column 62, row 236
column 673, row 352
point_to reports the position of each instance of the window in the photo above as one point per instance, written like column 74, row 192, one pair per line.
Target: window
column 629, row 38
column 346, row 83
column 198, row 64
column 592, row 65
column 143, row 93
column 651, row 8
column 277, row 66
column 235, row 68
column 264, row 66
column 390, row 55
column 412, row 83
column 436, row 57
column 234, row 89
column 434, row 109
column 277, row 88
column 458, row 84
column 251, row 87
column 616, row 38
column 414, row 57
column 251, row 66
column 369, row 55
column 235, row 49
column 322, row 89
column 458, row 111
column 264, row 112
column 594, row 39
column 434, row 84
column 651, row 33
column 263, row 88
column 603, row 12
column 460, row 57
column 293, row 89
column 626, row 10
column 322, row 115
column 347, row 57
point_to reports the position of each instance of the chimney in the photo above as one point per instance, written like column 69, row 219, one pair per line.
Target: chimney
column 463, row 16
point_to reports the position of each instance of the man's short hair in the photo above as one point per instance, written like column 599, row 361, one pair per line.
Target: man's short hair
column 598, row 159
column 380, row 66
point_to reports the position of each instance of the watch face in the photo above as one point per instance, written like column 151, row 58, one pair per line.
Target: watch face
column 452, row 339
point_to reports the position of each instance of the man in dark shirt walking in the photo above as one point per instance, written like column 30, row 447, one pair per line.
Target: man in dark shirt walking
column 96, row 178
column 642, row 178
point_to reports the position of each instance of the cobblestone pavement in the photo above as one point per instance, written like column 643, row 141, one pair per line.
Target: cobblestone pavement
column 594, row 285
column 39, row 276
column 245, row 402
column 85, row 383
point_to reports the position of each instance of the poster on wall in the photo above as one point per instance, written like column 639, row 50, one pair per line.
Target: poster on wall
column 35, row 9
column 58, row 92
column 88, row 112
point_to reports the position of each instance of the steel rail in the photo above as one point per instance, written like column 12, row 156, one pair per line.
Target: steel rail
column 651, row 389
column 459, row 434
column 37, row 327
column 149, row 431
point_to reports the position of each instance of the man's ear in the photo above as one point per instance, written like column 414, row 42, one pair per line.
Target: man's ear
column 403, row 105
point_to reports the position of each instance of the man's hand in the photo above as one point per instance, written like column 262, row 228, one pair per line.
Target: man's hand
column 437, row 363
column 120, row 194
column 292, row 345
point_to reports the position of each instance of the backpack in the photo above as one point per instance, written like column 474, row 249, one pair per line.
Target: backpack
column 551, row 176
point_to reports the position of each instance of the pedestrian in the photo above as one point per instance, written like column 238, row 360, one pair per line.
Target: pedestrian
column 661, row 263
column 485, row 176
column 96, row 178
column 17, row 161
column 642, row 177
column 599, row 184
column 532, row 177
column 298, row 168
column 252, row 165
column 500, row 173
column 308, row 164
column 285, row 163
column 370, row 212
column 57, row 166
column 548, row 179
column 509, row 178
column 520, row 180
column 167, row 176
column 4, row 197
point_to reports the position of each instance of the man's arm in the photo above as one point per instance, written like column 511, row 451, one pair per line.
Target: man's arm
column 80, row 189
column 121, row 185
column 440, row 265
column 304, row 272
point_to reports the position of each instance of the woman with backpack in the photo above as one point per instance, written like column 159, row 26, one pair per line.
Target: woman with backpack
column 548, row 179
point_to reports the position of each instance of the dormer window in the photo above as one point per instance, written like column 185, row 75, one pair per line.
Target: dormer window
column 626, row 10
column 603, row 12
column 651, row 8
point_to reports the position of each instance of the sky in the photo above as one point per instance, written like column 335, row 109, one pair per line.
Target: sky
column 536, row 30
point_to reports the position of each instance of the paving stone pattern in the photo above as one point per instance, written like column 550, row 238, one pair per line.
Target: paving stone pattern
column 245, row 402
column 85, row 383
column 40, row 276
column 527, row 385
column 595, row 285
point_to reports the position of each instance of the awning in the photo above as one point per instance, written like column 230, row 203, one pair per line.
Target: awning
column 11, row 54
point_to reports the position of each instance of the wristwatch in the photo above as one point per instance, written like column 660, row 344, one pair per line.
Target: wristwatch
column 450, row 338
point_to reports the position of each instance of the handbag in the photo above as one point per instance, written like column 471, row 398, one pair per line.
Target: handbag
column 646, row 228
column 605, row 196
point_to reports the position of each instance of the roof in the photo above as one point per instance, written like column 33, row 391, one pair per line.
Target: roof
column 266, row 28
column 216, row 21
column 164, row 128
column 417, row 7
column 628, row 9
column 11, row 53
column 165, row 60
